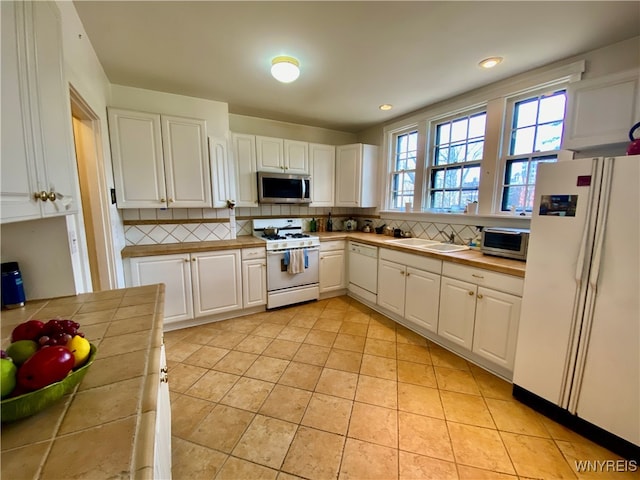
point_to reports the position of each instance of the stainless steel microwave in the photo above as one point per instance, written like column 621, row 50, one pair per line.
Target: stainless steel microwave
column 283, row 188
column 505, row 242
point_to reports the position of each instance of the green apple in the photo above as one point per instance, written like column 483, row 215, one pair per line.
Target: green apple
column 7, row 376
column 21, row 350
column 80, row 348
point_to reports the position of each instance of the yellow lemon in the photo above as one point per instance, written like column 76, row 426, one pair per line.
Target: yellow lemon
column 80, row 348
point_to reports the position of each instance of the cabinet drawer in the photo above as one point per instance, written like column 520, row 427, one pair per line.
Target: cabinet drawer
column 251, row 253
column 332, row 245
column 428, row 264
column 485, row 278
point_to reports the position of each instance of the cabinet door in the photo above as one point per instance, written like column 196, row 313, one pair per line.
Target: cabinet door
column 332, row 271
column 296, row 157
column 391, row 286
column 136, row 152
column 244, row 161
column 162, row 443
column 186, row 162
column 322, row 164
column 175, row 272
column 457, row 311
column 270, row 154
column 254, row 282
column 217, row 282
column 422, row 298
column 220, row 192
column 496, row 326
column 18, row 179
column 348, row 173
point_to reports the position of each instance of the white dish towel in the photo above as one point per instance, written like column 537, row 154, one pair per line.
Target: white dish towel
column 296, row 261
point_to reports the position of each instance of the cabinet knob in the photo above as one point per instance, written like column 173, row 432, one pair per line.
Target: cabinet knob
column 162, row 200
column 52, row 196
column 193, row 259
column 164, row 378
column 43, row 195
column 401, row 272
column 480, row 295
column 186, row 260
column 471, row 293
column 171, row 200
column 408, row 274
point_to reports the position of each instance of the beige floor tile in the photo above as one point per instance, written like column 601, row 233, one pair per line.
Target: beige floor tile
column 560, row 432
column 213, row 385
column 200, row 335
column 237, row 468
column 536, row 457
column 363, row 460
column 195, row 461
column 420, row 400
column 379, row 367
column 381, row 332
column 248, row 394
column 356, row 315
column 516, row 417
column 344, row 360
column 183, row 376
column 266, row 441
column 352, row 343
column 353, row 328
column 406, row 336
column 222, row 428
column 254, row 344
column 456, row 380
column 284, row 349
column 186, row 413
column 286, row 403
column 417, row 374
column 287, row 476
column 377, row 391
column 270, row 330
column 301, row 375
column 472, row 473
column 413, row 353
column 227, row 339
column 381, row 348
column 492, row 386
column 338, row 303
column 612, row 465
column 374, row 424
column 267, row 368
column 465, row 408
column 321, row 338
column 328, row 413
column 444, row 358
column 304, row 320
column 329, row 322
column 314, row 454
column 479, row 447
column 312, row 354
column 414, row 467
column 424, row 436
column 206, row 356
column 337, row 383
column 178, row 351
column 235, row 362
column 293, row 334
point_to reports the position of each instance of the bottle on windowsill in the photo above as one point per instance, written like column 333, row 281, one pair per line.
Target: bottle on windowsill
column 329, row 224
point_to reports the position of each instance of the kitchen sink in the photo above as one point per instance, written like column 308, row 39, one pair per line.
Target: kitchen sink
column 445, row 247
column 413, row 242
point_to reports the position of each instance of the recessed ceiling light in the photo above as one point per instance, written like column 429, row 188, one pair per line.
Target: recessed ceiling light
column 490, row 62
column 385, row 106
column 285, row 69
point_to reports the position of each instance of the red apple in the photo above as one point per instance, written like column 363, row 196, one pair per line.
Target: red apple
column 29, row 330
column 46, row 366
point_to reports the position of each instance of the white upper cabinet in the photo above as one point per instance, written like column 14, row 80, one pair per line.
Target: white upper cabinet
column 601, row 111
column 322, row 165
column 282, row 156
column 218, row 153
column 245, row 168
column 39, row 177
column 159, row 161
column 356, row 175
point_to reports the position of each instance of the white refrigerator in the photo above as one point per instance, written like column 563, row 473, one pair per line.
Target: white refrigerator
column 579, row 335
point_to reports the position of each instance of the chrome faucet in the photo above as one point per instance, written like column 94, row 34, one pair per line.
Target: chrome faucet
column 451, row 238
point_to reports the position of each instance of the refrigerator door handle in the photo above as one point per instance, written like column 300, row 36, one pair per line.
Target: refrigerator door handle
column 602, row 215
column 582, row 253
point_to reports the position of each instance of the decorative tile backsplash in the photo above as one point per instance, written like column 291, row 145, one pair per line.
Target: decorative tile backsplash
column 176, row 233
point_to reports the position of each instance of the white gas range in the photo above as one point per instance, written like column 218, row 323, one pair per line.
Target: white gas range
column 292, row 262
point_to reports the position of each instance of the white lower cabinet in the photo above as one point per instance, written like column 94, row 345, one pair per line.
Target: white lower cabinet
column 162, row 443
column 480, row 311
column 410, row 292
column 254, row 277
column 217, row 282
column 332, row 266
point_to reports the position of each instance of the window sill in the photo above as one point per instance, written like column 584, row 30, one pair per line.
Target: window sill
column 462, row 218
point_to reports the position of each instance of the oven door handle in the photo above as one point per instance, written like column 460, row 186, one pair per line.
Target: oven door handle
column 279, row 251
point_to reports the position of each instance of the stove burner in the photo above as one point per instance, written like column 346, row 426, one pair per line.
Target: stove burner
column 297, row 235
column 273, row 237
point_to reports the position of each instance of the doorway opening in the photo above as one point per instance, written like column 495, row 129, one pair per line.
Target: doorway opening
column 93, row 192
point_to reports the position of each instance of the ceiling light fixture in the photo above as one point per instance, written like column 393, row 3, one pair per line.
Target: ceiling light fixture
column 285, row 69
column 490, row 62
column 385, row 106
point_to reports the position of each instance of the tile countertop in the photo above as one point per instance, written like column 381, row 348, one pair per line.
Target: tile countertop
column 472, row 258
column 106, row 427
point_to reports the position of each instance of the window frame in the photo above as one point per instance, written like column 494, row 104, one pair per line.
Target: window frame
column 393, row 144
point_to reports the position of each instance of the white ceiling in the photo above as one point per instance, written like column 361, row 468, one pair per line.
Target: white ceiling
column 354, row 56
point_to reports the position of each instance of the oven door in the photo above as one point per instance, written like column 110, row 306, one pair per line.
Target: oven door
column 278, row 278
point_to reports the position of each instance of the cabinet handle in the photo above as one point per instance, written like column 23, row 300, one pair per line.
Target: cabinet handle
column 171, row 200
column 479, row 295
column 408, row 274
column 471, row 293
column 52, row 196
column 164, row 370
column 186, row 260
column 401, row 272
column 476, row 276
column 44, row 196
column 193, row 259
column 162, row 200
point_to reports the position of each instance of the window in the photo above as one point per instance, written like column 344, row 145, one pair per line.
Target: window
column 454, row 171
column 403, row 175
column 535, row 137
